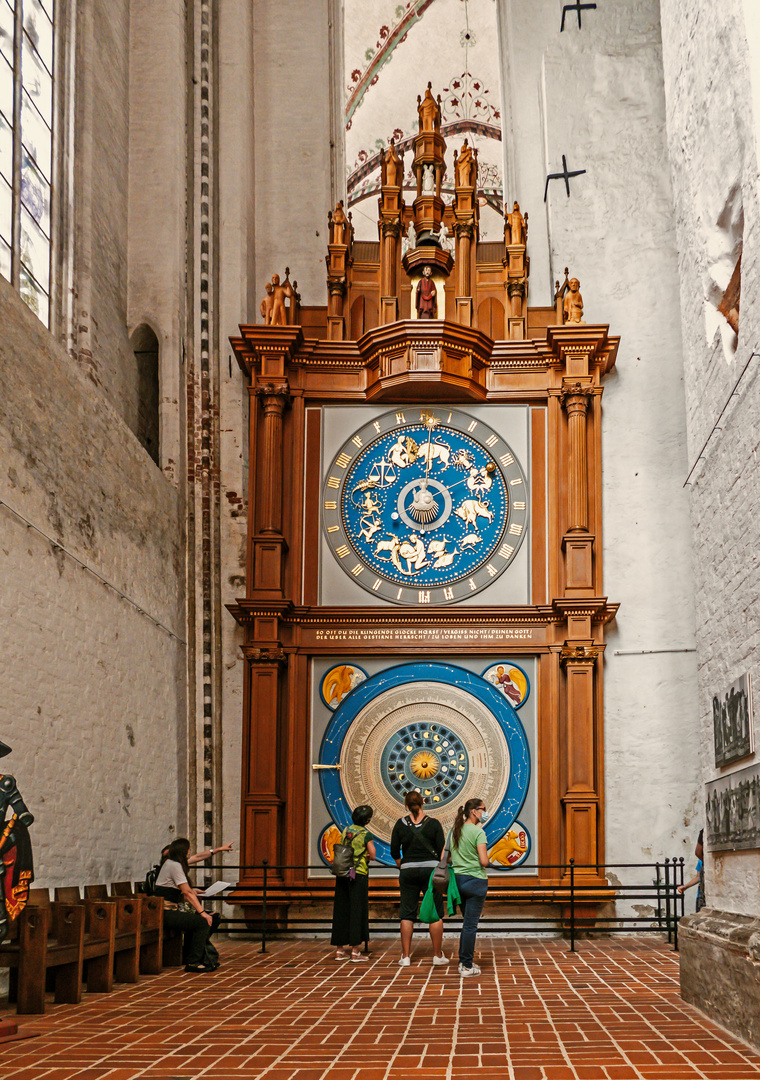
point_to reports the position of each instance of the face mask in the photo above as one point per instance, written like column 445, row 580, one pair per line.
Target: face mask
column 484, row 816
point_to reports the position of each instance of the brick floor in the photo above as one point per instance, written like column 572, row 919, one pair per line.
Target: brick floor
column 610, row 1011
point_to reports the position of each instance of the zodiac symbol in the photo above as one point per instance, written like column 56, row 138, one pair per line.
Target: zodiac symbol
column 411, row 550
column 435, row 451
column 479, row 481
column 470, row 540
column 403, row 452
column 472, row 509
column 442, row 557
column 462, row 459
column 381, row 474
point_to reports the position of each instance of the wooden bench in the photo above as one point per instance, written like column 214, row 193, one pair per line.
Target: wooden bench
column 125, row 915
column 99, row 939
column 33, row 951
column 151, row 926
column 173, row 940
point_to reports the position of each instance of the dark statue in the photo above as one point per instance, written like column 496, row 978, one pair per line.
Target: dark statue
column 16, row 868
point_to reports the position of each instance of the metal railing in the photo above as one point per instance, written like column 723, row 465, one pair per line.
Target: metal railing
column 572, row 894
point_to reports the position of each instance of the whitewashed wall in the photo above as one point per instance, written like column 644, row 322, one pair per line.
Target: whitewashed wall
column 92, row 687
column 713, row 151
column 596, row 96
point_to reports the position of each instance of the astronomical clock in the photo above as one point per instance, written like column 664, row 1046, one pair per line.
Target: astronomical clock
column 424, row 607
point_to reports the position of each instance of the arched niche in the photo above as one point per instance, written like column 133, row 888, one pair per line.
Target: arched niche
column 146, row 352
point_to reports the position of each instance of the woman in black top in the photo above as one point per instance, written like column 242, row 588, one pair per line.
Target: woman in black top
column 417, row 846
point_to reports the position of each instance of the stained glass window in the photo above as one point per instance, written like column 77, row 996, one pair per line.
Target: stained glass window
column 26, row 147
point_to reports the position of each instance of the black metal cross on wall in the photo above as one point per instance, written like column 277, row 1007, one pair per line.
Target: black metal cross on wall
column 577, row 7
column 564, row 175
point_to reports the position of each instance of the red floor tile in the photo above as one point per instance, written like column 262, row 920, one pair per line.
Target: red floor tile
column 610, row 1011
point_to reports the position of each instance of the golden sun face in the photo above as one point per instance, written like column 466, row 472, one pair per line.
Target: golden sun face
column 424, row 764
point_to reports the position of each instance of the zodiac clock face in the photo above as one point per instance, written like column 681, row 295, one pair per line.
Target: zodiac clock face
column 425, row 506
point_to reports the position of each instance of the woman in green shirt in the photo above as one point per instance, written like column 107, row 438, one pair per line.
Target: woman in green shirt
column 469, row 857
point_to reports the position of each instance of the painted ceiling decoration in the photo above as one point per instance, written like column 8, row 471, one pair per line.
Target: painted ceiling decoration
column 412, row 44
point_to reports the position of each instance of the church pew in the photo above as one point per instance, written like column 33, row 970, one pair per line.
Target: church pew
column 99, row 938
column 125, row 914
column 33, row 950
column 151, row 926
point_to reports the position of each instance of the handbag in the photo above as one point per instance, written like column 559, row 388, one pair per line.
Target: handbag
column 428, row 909
column 440, row 877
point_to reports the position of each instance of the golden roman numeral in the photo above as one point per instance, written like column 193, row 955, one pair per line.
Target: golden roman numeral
column 492, row 440
column 342, row 551
column 333, row 481
column 506, row 460
column 506, row 551
column 473, row 425
column 357, row 441
column 492, row 571
column 331, row 505
column 357, row 569
column 377, row 585
column 333, row 528
column 515, row 482
column 342, row 460
column 400, row 418
column 516, row 529
column 519, row 505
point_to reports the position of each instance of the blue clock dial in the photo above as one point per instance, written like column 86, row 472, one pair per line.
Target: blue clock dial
column 425, row 506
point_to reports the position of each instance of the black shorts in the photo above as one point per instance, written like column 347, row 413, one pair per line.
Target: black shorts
column 413, row 882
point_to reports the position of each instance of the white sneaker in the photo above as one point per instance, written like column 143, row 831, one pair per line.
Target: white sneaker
column 405, row 961
column 440, row 961
column 468, row 972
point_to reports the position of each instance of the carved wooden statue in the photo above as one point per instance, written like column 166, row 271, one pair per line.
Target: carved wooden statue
column 392, row 167
column 426, row 298
column 338, row 224
column 465, row 167
column 267, row 304
column 429, row 111
column 273, row 305
column 517, row 225
column 573, row 302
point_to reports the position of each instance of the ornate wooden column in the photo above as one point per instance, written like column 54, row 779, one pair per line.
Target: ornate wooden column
column 464, row 232
column 261, row 795
column 581, row 798
column 389, row 237
column 269, row 545
column 578, row 542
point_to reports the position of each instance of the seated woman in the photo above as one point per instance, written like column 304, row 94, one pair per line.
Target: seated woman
column 182, row 908
column 417, row 847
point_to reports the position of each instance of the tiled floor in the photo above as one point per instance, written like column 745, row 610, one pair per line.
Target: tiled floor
column 611, row 1011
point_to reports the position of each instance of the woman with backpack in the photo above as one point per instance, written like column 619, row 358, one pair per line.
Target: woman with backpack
column 417, row 847
column 350, row 923
column 184, row 911
column 469, row 857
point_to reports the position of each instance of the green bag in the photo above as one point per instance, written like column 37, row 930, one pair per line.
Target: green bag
column 428, row 910
column 454, row 895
